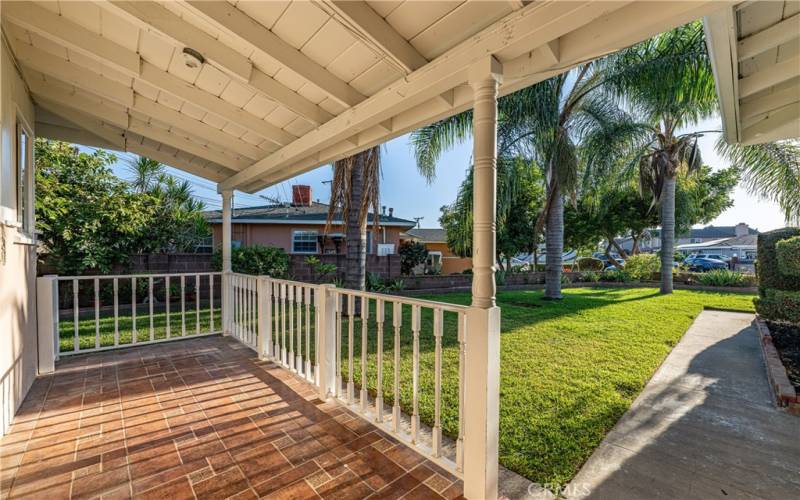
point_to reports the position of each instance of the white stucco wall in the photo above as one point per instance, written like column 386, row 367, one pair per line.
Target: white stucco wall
column 18, row 356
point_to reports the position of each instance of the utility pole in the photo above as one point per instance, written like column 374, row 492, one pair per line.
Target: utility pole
column 417, row 219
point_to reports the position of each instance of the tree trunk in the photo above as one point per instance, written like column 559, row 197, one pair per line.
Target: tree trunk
column 356, row 234
column 635, row 246
column 667, row 233
column 554, row 243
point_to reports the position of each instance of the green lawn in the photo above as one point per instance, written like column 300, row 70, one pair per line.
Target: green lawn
column 569, row 369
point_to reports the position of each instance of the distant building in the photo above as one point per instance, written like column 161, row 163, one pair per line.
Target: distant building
column 440, row 257
column 299, row 227
column 741, row 247
column 711, row 233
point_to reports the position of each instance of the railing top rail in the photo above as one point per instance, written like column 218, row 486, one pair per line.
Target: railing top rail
column 121, row 276
column 445, row 306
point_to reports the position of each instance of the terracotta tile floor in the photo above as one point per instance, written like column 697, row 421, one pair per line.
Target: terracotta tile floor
column 200, row 418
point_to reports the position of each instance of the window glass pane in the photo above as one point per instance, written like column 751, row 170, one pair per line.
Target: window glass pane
column 23, row 203
column 304, row 242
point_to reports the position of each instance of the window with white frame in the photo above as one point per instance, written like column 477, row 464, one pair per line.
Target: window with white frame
column 24, row 153
column 304, row 242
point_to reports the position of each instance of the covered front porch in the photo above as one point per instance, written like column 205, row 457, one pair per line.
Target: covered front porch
column 202, row 418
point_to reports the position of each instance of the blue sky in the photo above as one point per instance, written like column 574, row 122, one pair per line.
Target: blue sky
column 410, row 195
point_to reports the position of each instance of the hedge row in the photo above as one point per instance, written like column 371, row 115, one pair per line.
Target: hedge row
column 770, row 272
column 779, row 305
column 788, row 255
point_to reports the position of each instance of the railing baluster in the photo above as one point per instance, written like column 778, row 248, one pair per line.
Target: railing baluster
column 254, row 310
column 397, row 322
column 210, row 303
column 379, row 355
column 307, row 292
column 276, row 312
column 197, row 302
column 150, row 299
column 135, row 334
column 351, row 300
column 462, row 361
column 75, row 315
column 415, row 327
column 183, row 306
column 290, row 298
column 364, row 337
column 283, row 324
column 438, row 326
column 298, row 362
column 97, row 313
column 339, row 306
column 116, row 312
column 166, row 300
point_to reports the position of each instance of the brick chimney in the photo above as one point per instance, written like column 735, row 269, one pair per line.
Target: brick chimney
column 301, row 196
column 742, row 229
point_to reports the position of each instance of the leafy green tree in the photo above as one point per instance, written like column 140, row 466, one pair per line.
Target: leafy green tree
column 412, row 254
column 256, row 260
column 177, row 223
column 88, row 218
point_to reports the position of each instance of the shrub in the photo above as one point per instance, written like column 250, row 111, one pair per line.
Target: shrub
column 589, row 264
column 256, row 259
column 642, row 266
column 769, row 271
column 412, row 254
column 320, row 269
column 779, row 305
column 590, row 276
column 787, row 253
column 721, row 277
column 374, row 283
column 467, row 271
column 616, row 275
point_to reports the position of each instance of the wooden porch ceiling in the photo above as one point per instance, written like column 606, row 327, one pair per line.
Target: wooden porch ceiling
column 756, row 52
column 288, row 86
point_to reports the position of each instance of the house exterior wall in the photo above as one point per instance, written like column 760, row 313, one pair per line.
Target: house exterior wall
column 451, row 263
column 18, row 333
column 280, row 235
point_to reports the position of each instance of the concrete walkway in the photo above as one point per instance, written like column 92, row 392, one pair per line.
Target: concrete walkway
column 704, row 427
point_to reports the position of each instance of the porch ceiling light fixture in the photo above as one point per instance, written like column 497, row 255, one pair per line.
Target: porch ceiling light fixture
column 192, row 58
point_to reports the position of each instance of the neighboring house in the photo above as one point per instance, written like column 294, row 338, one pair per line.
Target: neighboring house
column 440, row 257
column 741, row 247
column 652, row 242
column 299, row 227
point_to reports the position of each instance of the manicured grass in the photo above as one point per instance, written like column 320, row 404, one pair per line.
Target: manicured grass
column 569, row 369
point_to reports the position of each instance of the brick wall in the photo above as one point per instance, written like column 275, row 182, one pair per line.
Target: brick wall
column 387, row 267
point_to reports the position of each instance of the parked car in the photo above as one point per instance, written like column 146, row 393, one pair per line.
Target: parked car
column 692, row 257
column 703, row 264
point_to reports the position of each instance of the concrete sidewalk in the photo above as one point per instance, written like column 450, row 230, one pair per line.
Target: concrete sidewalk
column 704, row 426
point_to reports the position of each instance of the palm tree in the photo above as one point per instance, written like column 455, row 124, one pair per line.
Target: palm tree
column 146, row 173
column 355, row 190
column 668, row 84
column 567, row 125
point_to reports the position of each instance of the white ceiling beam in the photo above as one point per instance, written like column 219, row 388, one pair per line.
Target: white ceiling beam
column 243, row 26
column 532, row 26
column 73, row 136
column 770, row 102
column 720, row 31
column 777, row 34
column 208, row 170
column 375, row 29
column 177, row 141
column 200, row 129
column 71, row 73
column 769, row 76
column 780, row 124
column 43, row 22
column 111, row 136
column 186, row 91
column 289, row 98
column 78, row 100
column 173, row 26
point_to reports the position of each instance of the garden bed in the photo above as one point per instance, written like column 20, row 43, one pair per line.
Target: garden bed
column 780, row 343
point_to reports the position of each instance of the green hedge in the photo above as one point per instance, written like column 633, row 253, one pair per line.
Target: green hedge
column 788, row 255
column 770, row 274
column 643, row 265
column 589, row 264
column 779, row 305
column 256, row 260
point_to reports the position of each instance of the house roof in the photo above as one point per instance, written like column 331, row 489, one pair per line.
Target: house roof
column 436, row 235
column 708, row 232
column 316, row 213
column 248, row 94
column 748, row 240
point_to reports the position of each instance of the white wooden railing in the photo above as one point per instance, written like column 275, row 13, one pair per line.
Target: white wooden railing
column 312, row 329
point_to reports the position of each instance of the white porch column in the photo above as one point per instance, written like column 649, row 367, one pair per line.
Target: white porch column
column 227, row 198
column 482, row 374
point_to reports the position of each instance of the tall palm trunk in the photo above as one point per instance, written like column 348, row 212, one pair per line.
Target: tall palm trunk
column 554, row 244
column 667, row 232
column 356, row 231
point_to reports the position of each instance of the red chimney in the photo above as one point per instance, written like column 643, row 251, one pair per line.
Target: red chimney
column 301, row 196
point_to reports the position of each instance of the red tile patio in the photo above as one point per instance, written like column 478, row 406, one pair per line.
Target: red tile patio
column 200, row 418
